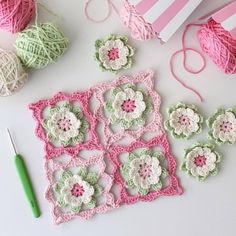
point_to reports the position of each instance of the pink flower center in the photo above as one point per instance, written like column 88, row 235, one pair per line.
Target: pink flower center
column 144, row 170
column 128, row 105
column 184, row 120
column 200, row 161
column 226, row 126
column 113, row 54
column 77, row 190
column 64, row 124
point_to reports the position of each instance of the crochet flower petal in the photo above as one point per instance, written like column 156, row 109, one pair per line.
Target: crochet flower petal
column 222, row 126
column 184, row 121
column 200, row 161
column 114, row 53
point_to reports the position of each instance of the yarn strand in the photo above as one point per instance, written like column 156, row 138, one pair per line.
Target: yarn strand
column 110, row 5
column 184, row 50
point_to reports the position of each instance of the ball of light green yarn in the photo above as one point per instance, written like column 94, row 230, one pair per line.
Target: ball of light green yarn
column 40, row 45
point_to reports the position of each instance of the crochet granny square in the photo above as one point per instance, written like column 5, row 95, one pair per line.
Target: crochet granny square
column 131, row 104
column 147, row 172
column 86, row 152
column 78, row 187
column 65, row 123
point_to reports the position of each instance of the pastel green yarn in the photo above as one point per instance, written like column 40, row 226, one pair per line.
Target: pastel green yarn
column 37, row 46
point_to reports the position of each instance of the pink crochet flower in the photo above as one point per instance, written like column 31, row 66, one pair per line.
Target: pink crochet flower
column 82, row 98
column 62, row 213
column 171, row 188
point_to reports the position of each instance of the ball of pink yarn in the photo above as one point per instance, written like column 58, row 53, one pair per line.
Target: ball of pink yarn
column 15, row 15
column 140, row 29
column 219, row 45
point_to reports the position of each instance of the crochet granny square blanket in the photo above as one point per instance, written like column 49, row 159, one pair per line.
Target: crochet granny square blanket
column 105, row 147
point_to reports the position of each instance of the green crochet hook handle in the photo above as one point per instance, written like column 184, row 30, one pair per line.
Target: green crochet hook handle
column 27, row 185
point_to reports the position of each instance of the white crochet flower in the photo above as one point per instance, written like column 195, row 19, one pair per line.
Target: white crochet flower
column 200, row 161
column 64, row 125
column 113, row 54
column 224, row 127
column 184, row 122
column 76, row 192
column 145, row 171
column 128, row 104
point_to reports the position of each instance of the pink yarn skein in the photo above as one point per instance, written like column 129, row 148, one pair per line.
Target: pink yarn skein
column 219, row 45
column 216, row 42
column 15, row 15
column 140, row 29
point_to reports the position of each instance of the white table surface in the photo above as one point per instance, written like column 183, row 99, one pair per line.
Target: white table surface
column 204, row 209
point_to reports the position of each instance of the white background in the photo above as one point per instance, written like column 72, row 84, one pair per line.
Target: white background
column 204, row 209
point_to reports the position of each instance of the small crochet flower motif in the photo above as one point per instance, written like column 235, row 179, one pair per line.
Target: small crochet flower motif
column 223, row 126
column 114, row 53
column 77, row 191
column 128, row 107
column 200, row 161
column 184, row 121
column 144, row 172
column 65, row 124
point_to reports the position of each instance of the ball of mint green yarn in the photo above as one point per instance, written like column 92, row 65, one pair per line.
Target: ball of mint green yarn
column 37, row 46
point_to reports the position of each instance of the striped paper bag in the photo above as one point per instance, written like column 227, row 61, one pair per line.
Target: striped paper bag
column 163, row 16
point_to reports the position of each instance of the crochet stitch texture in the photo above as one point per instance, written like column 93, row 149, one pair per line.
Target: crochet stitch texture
column 222, row 125
column 114, row 53
column 143, row 168
column 201, row 161
column 184, row 121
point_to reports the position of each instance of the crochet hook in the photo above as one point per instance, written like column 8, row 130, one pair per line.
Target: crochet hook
column 25, row 179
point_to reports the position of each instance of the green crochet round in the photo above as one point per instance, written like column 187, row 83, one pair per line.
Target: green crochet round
column 40, row 45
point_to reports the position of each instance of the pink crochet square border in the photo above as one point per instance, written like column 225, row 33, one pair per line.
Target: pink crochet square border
column 173, row 187
column 83, row 99
column 146, row 78
column 52, row 165
column 110, row 150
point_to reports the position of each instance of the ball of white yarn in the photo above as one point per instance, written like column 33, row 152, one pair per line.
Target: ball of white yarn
column 12, row 74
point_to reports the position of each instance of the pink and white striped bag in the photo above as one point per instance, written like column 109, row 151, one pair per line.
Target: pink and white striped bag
column 156, row 18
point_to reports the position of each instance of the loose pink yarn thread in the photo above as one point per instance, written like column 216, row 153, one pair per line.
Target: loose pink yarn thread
column 184, row 50
column 219, row 45
column 15, row 15
column 140, row 29
column 110, row 6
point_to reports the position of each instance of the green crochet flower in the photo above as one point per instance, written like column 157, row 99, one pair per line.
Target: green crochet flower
column 128, row 106
column 222, row 126
column 114, row 53
column 201, row 161
column 184, row 121
column 144, row 172
column 77, row 191
column 65, row 125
